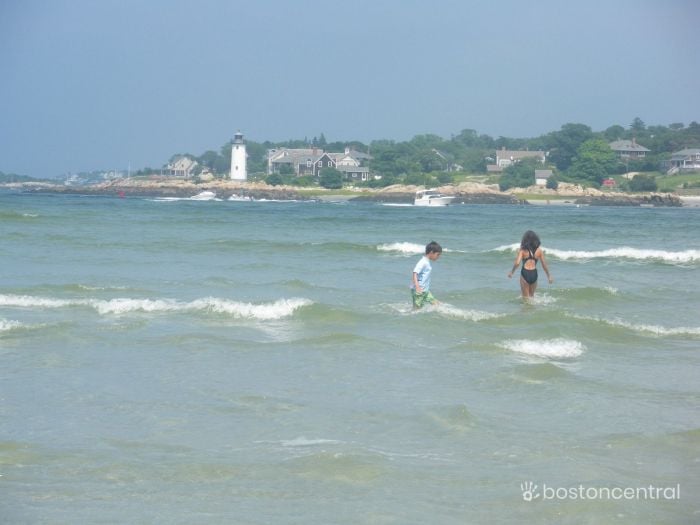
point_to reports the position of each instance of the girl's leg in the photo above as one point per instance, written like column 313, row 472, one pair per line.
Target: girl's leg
column 532, row 289
column 524, row 287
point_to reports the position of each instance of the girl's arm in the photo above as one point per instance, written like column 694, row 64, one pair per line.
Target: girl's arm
column 544, row 265
column 518, row 258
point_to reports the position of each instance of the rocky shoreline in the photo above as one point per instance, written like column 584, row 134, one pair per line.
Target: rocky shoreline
column 464, row 193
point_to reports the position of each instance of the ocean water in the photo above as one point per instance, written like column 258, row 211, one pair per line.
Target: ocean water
column 176, row 361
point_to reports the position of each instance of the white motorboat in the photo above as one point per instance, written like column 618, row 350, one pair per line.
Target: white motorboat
column 204, row 196
column 431, row 197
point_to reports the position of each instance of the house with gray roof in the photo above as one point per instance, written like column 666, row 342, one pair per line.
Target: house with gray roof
column 300, row 162
column 506, row 157
column 542, row 176
column 629, row 149
column 182, row 167
column 685, row 160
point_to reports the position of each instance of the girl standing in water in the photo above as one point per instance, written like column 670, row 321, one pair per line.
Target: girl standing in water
column 528, row 254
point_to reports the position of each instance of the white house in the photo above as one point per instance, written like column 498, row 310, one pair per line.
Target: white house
column 182, row 167
column 685, row 160
column 505, row 158
column 542, row 176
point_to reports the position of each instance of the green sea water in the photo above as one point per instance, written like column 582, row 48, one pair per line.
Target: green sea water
column 177, row 361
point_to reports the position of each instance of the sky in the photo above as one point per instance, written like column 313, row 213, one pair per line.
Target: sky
column 99, row 85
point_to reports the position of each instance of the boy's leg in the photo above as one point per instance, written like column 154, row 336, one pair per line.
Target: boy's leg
column 419, row 298
column 415, row 299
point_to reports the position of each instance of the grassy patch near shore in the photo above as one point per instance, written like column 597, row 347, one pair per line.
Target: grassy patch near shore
column 674, row 182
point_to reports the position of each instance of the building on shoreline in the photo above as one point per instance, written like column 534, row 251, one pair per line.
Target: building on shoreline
column 542, row 176
column 310, row 161
column 505, row 158
column 629, row 149
column 684, row 160
column 182, row 167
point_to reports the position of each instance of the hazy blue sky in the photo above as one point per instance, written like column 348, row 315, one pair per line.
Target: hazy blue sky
column 99, row 84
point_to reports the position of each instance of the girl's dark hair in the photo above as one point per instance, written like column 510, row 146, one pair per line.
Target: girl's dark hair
column 530, row 241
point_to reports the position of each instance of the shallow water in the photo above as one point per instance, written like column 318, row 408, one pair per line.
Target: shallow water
column 259, row 362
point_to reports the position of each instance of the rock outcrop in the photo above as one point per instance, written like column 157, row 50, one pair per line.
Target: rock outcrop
column 464, row 193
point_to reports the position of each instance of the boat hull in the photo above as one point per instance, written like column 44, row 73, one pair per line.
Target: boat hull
column 434, row 201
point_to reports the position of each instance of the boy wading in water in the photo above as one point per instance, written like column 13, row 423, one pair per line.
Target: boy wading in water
column 420, row 282
column 528, row 254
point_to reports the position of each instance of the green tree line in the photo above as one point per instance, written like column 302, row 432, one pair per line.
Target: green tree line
column 575, row 152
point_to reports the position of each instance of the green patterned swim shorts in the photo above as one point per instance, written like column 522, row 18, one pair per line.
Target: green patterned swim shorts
column 419, row 299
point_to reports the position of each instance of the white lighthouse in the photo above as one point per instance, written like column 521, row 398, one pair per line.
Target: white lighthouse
column 238, row 158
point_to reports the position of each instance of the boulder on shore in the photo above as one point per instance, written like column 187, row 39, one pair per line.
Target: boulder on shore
column 654, row 199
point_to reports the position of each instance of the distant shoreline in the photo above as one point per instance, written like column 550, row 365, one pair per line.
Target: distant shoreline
column 464, row 193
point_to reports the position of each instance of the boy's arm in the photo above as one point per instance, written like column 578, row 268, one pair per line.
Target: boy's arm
column 415, row 283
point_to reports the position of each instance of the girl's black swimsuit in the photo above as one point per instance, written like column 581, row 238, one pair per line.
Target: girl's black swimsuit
column 530, row 276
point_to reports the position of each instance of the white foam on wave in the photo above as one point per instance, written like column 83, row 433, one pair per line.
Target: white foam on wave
column 623, row 252
column 444, row 309
column 548, row 348
column 626, row 252
column 28, row 301
column 7, row 325
column 506, row 248
column 541, row 299
column 648, row 328
column 460, row 313
column 407, row 248
column 265, row 311
column 304, row 442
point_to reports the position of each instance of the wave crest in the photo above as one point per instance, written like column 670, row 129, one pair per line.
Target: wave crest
column 409, row 248
column 265, row 311
column 469, row 315
column 649, row 328
column 623, row 252
column 548, row 348
column 626, row 252
column 6, row 325
column 406, row 248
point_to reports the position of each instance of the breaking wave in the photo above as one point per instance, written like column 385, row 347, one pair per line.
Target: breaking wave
column 460, row 313
column 265, row 311
column 6, row 326
column 623, row 252
column 548, row 348
column 648, row 328
column 408, row 248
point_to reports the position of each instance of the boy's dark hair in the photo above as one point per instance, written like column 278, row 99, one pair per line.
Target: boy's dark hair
column 433, row 247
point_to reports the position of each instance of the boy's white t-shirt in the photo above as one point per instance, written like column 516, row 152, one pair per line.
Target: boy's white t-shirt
column 422, row 271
